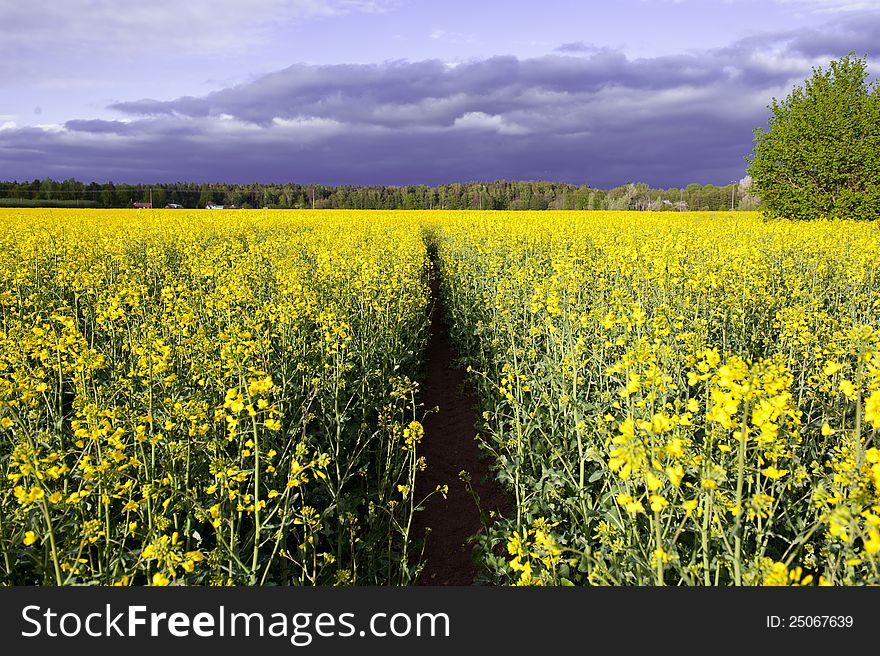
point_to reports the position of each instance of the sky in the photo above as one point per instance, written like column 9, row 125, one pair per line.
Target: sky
column 397, row 92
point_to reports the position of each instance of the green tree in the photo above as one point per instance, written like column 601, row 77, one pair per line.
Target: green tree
column 160, row 197
column 820, row 156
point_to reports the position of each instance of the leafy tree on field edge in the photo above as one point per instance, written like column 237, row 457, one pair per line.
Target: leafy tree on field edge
column 820, row 157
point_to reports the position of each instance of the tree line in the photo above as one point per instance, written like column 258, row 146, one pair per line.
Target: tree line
column 498, row 195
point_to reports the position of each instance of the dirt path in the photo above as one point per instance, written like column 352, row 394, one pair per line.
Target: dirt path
column 449, row 448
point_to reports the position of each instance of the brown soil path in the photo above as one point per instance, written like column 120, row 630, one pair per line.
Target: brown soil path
column 449, row 447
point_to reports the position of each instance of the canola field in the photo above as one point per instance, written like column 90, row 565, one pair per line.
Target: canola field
column 208, row 398
column 233, row 397
column 675, row 399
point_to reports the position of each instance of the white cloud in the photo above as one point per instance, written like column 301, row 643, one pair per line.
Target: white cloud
column 816, row 5
column 833, row 6
column 305, row 129
column 50, row 127
column 137, row 27
column 452, row 37
column 483, row 121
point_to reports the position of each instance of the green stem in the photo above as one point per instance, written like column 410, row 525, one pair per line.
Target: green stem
column 860, row 448
column 740, row 479
column 51, row 531
column 5, row 552
column 257, row 513
column 658, row 547
column 707, row 512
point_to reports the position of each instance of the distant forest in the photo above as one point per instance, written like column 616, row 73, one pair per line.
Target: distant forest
column 498, row 195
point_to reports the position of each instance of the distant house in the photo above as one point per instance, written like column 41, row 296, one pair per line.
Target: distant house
column 212, row 206
column 142, row 206
column 173, row 206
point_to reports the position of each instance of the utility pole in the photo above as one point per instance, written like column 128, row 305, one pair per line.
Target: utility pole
column 151, row 198
column 732, row 193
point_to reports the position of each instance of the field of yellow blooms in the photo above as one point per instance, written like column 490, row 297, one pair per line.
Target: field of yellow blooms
column 187, row 397
column 233, row 397
column 674, row 398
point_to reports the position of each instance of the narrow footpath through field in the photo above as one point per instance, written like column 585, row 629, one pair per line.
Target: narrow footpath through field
column 449, row 447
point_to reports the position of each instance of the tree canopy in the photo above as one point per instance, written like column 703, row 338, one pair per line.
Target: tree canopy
column 820, row 156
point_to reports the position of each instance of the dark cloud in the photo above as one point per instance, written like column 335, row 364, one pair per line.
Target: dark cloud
column 144, row 128
column 595, row 116
column 665, row 150
column 858, row 33
column 431, row 93
column 99, row 126
column 391, row 157
column 576, row 46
